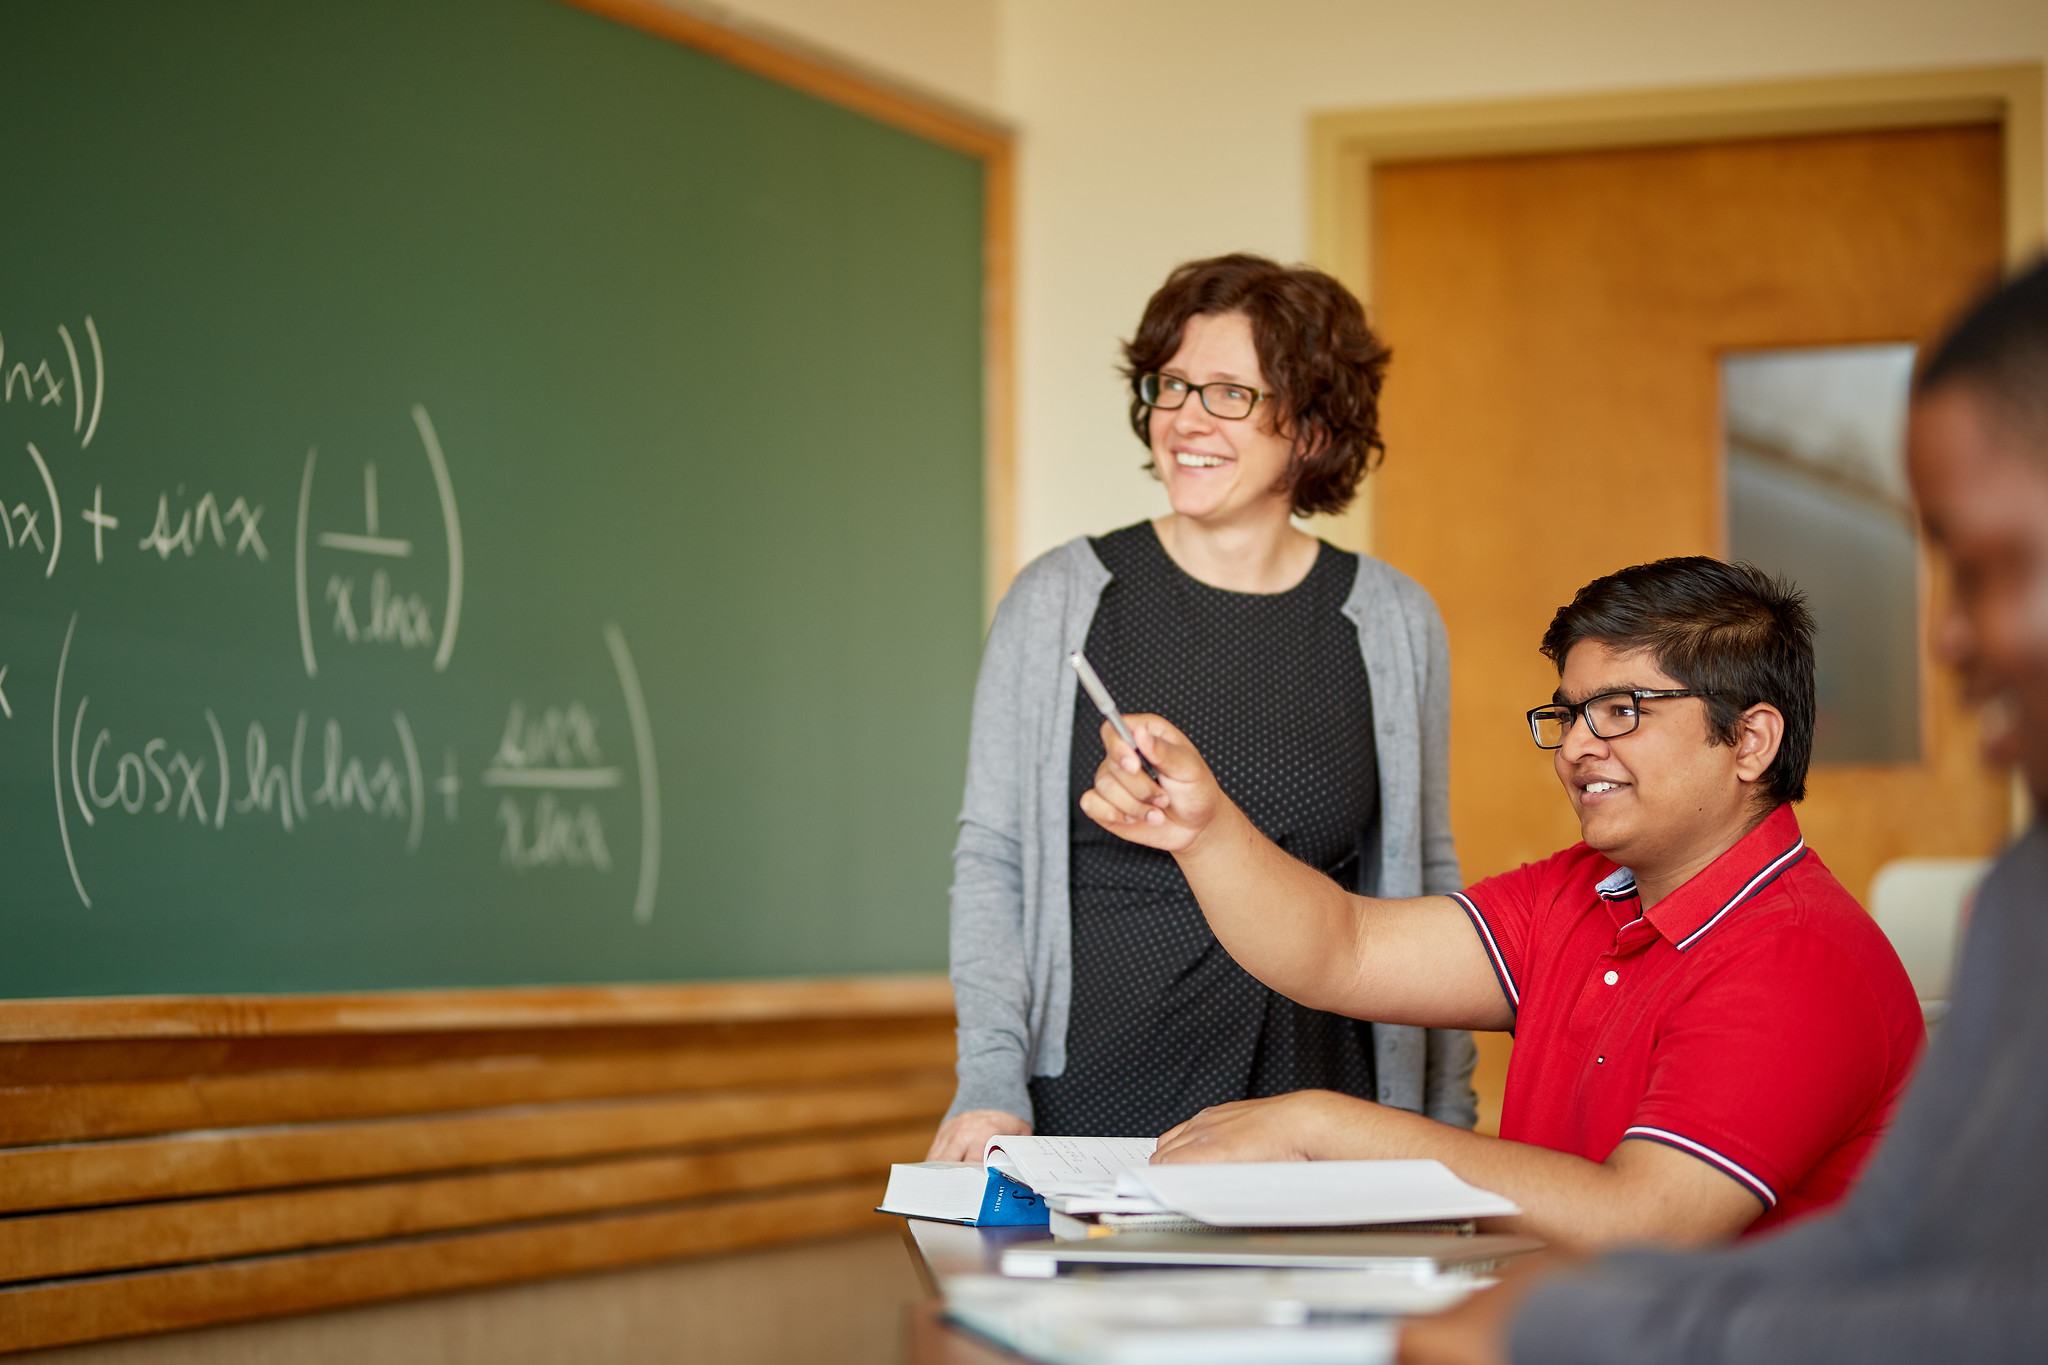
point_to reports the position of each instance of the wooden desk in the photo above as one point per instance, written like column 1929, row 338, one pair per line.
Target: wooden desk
column 941, row 1249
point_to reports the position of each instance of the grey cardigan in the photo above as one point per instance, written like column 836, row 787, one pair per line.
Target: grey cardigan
column 1011, row 963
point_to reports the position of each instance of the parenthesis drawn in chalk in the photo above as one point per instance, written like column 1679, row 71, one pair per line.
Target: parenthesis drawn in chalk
column 99, row 380
column 77, row 379
column 305, row 611
column 419, row 785
column 56, row 516
column 56, row 770
column 650, row 783
column 220, row 746
column 77, row 787
column 453, row 523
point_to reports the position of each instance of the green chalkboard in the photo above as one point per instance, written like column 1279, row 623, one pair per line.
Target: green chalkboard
column 492, row 496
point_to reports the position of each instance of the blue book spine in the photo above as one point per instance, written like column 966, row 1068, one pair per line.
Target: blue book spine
column 1007, row 1204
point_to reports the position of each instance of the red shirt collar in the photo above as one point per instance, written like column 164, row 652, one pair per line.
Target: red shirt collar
column 1755, row 861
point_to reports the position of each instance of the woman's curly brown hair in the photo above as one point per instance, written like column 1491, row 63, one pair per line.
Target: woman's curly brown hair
column 1324, row 363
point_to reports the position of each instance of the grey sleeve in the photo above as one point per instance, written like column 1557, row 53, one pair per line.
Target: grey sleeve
column 1439, row 851
column 1447, row 1075
column 991, row 983
column 1958, row 1314
column 1809, row 1297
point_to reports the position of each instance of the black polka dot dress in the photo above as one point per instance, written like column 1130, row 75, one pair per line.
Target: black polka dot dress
column 1272, row 689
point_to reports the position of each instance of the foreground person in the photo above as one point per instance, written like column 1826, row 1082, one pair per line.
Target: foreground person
column 1710, row 1034
column 1942, row 1253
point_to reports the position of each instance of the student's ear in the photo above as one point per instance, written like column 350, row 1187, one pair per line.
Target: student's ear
column 1762, row 729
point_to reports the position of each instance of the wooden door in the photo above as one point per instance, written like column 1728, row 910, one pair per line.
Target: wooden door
column 1556, row 315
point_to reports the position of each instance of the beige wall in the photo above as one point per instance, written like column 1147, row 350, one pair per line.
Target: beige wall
column 1231, row 86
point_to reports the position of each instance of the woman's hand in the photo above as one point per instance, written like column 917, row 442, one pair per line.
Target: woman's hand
column 1170, row 814
column 964, row 1136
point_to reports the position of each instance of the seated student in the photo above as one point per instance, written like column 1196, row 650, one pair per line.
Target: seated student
column 1942, row 1252
column 1710, row 1033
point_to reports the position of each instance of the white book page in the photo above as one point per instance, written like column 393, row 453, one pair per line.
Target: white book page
column 1104, row 1203
column 936, row 1189
column 1314, row 1193
column 1069, row 1165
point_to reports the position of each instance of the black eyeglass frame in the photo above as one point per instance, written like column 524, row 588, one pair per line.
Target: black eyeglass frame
column 1576, row 711
column 1156, row 379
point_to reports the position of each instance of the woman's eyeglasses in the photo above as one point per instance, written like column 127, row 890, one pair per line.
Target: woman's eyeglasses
column 1167, row 393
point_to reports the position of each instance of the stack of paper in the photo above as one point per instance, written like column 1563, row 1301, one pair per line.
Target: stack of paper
column 1198, row 1317
column 1300, row 1297
column 1026, row 1179
column 1307, row 1194
column 1423, row 1259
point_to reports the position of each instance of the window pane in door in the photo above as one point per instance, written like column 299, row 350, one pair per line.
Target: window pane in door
column 1814, row 444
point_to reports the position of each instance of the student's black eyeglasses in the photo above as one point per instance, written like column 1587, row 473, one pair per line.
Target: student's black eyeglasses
column 1609, row 715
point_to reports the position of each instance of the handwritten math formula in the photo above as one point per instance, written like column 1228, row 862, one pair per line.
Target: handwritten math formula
column 570, row 788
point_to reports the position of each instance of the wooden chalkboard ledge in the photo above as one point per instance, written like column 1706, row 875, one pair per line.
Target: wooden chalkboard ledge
column 169, row 1162
column 535, row 1007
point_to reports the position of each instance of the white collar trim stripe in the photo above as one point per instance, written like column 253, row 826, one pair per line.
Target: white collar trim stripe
column 1767, row 875
column 1618, row 885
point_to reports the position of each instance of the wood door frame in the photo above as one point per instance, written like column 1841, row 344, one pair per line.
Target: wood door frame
column 1345, row 145
column 927, row 116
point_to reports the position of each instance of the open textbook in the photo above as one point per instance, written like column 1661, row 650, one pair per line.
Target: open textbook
column 1069, row 1166
column 1015, row 1178
column 1022, row 1179
column 1304, row 1194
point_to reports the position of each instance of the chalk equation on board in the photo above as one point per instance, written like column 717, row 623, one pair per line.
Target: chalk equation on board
column 196, row 770
column 45, row 387
column 390, row 614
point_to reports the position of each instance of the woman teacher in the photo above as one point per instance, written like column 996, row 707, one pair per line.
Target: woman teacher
column 1092, row 998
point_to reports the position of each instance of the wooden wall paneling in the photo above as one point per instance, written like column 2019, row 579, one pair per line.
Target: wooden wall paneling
column 196, row 1095
column 52, row 1245
column 164, row 1171
column 215, row 1161
column 83, row 1059
column 64, row 1311
column 557, row 1009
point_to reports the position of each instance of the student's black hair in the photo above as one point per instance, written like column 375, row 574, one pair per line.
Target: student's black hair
column 1999, row 350
column 1728, row 629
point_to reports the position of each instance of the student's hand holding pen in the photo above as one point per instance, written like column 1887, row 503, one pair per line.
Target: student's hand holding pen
column 1171, row 814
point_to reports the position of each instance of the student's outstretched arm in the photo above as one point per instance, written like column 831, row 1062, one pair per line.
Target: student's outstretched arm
column 1644, row 1191
column 1394, row 961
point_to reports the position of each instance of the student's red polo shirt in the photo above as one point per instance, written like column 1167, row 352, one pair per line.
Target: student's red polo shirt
column 1756, row 1018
